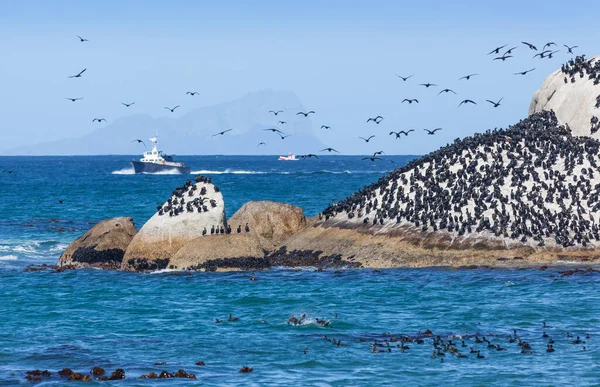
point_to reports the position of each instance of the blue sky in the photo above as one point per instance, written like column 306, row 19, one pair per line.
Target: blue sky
column 339, row 57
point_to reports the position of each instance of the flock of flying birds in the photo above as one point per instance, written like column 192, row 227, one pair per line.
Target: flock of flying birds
column 502, row 53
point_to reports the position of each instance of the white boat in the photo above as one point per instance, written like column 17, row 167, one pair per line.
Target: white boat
column 154, row 161
column 289, row 157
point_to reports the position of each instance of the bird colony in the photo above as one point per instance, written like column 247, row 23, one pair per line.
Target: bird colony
column 532, row 183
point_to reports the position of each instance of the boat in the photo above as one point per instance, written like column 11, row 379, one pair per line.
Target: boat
column 154, row 161
column 289, row 157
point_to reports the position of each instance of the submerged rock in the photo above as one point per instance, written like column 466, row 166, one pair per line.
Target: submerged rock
column 191, row 209
column 103, row 246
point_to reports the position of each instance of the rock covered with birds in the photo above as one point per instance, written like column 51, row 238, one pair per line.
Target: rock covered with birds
column 532, row 184
column 573, row 93
column 192, row 210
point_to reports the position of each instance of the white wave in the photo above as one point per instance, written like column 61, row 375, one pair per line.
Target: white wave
column 35, row 248
column 124, row 171
column 163, row 271
column 169, row 172
column 8, row 257
column 227, row 171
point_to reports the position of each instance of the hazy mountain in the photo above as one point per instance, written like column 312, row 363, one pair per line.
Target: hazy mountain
column 193, row 132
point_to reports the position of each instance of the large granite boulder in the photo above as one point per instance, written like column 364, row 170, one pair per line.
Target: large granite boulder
column 103, row 246
column 270, row 222
column 573, row 98
column 221, row 252
column 174, row 224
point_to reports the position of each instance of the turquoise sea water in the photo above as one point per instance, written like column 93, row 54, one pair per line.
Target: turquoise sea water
column 131, row 321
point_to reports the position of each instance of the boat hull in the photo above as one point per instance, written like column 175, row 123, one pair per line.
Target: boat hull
column 140, row 167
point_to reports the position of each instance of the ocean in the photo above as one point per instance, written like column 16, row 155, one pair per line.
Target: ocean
column 86, row 318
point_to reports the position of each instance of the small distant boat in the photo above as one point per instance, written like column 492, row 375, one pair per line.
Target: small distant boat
column 289, row 157
column 155, row 161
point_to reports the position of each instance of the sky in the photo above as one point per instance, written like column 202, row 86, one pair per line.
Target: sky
column 339, row 57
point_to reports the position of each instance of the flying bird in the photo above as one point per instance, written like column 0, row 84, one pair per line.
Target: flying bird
column 467, row 101
column 549, row 44
column 542, row 54
column 531, row 46
column 428, row 85
column 325, row 127
column 376, row 120
column 281, row 122
column 74, row 99
column 525, row 72
column 79, row 74
column 496, row 104
column 303, row 157
column 305, row 114
column 410, row 100
column 373, row 158
column 497, row 50
column 367, row 139
column 192, row 93
column 552, row 53
column 406, row 132
column 432, row 132
column 508, row 52
column 275, row 112
column 274, row 130
column 503, row 57
column 127, row 104
column 284, row 137
column 329, row 150
column 404, row 78
column 172, row 110
column 378, row 153
column 261, row 143
column 82, row 39
column 99, row 119
column 396, row 133
column 570, row 49
column 140, row 142
column 222, row 133
column 467, row 77
column 447, row 91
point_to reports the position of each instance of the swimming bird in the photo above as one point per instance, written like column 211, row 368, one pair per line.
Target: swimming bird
column 325, row 127
column 281, row 122
column 305, row 114
column 367, row 139
column 274, row 130
column 329, row 150
column 497, row 50
column 447, row 91
column 99, row 119
column 7, row 171
column 503, row 57
column 127, row 104
column 432, row 132
column 525, row 72
column 275, row 112
column 467, row 77
column 231, row 318
column 173, row 109
column 496, row 104
column 373, row 158
column 217, row 321
column 78, row 75
column 74, row 99
column 531, row 46
column 404, row 78
column 82, row 39
column 376, row 120
column 261, row 143
column 465, row 101
column 410, row 100
column 480, row 356
column 192, row 93
column 570, row 49
column 222, row 133
column 428, row 85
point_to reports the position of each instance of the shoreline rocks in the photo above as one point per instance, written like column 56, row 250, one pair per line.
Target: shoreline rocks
column 103, row 246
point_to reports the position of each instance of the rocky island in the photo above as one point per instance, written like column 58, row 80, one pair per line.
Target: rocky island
column 519, row 196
